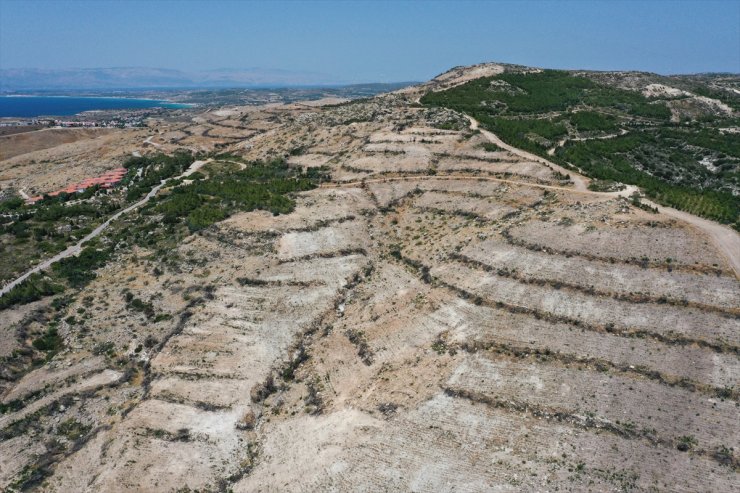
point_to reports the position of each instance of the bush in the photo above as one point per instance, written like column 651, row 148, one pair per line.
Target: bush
column 542, row 92
column 11, row 205
column 51, row 341
column 140, row 306
column 529, row 111
column 590, row 121
column 33, row 288
column 73, row 429
column 204, row 216
column 79, row 270
column 261, row 186
column 154, row 169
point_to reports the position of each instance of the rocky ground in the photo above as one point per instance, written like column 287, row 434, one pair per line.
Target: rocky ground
column 440, row 316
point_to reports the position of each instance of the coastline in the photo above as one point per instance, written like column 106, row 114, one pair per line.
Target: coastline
column 168, row 101
column 15, row 107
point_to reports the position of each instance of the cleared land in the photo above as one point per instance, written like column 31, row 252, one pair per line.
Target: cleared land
column 25, row 142
column 434, row 315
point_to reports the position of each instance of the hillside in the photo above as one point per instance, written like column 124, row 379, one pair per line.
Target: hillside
column 675, row 137
column 379, row 295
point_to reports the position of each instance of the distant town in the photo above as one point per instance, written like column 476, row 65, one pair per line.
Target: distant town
column 130, row 119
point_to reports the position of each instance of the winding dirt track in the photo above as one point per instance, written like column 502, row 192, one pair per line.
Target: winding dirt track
column 148, row 141
column 725, row 239
column 77, row 248
column 579, row 182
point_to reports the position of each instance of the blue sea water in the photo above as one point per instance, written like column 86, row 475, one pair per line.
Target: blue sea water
column 33, row 106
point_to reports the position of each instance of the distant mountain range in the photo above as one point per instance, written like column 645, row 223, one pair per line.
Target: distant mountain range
column 26, row 79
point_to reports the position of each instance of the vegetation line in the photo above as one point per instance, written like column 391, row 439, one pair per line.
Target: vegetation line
column 632, row 298
column 531, row 112
column 624, row 430
column 672, row 339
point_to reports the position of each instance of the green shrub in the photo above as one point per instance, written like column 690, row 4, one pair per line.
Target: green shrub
column 590, row 121
column 33, row 288
column 154, row 169
column 79, row 270
column 73, row 429
column 50, row 341
column 530, row 111
column 260, row 185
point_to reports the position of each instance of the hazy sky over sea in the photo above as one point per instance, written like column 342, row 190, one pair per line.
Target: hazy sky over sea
column 371, row 41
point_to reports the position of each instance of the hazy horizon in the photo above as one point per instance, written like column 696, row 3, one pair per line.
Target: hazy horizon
column 361, row 42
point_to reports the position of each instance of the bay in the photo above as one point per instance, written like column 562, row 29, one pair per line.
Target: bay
column 34, row 106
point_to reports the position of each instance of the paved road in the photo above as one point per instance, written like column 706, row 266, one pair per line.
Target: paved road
column 77, row 248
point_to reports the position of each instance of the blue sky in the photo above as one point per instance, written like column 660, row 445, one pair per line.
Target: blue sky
column 371, row 41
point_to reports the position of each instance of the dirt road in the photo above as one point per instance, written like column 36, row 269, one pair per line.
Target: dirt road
column 77, row 248
column 561, row 142
column 579, row 182
column 725, row 239
column 148, row 141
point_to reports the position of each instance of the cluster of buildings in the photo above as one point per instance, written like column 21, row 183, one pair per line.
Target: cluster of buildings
column 75, row 123
column 127, row 121
column 19, row 123
column 107, row 180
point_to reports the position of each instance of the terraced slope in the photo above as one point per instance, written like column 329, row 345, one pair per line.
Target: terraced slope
column 441, row 316
column 678, row 145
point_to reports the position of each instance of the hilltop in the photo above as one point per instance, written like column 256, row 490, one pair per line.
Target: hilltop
column 675, row 137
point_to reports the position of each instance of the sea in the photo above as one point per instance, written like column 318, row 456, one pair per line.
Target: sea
column 33, row 106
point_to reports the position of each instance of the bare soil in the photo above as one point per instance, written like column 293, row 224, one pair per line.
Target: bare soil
column 435, row 318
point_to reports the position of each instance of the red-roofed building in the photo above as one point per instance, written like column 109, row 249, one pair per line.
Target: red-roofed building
column 107, row 180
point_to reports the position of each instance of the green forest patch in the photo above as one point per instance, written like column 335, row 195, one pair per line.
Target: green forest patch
column 610, row 134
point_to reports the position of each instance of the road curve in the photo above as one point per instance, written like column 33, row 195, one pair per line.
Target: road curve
column 725, row 239
column 580, row 183
column 148, row 141
column 77, row 248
